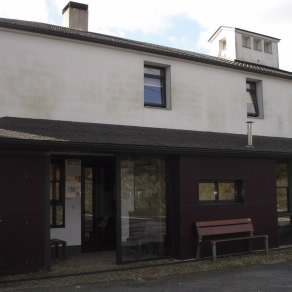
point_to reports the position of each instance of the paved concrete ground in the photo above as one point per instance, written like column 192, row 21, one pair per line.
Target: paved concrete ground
column 260, row 278
column 246, row 272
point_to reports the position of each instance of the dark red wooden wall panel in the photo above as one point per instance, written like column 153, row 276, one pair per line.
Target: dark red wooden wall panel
column 259, row 203
column 23, row 212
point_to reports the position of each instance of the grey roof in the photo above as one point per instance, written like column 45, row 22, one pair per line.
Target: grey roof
column 22, row 133
column 64, row 32
column 244, row 31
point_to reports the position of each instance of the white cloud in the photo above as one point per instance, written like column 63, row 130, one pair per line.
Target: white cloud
column 172, row 39
column 34, row 10
column 147, row 16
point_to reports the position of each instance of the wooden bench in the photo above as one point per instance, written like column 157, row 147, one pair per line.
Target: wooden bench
column 237, row 229
column 56, row 243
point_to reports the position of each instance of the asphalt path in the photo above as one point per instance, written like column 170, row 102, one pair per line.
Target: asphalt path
column 270, row 277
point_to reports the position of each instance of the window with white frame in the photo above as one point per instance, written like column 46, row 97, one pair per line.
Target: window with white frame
column 246, row 41
column 268, row 47
column 222, row 47
column 257, row 44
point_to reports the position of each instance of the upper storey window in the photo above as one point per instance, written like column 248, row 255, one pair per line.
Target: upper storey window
column 257, row 44
column 251, row 99
column 222, row 44
column 246, row 41
column 268, row 47
column 154, row 86
column 222, row 47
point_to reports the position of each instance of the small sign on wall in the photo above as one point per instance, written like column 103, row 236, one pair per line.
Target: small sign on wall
column 73, row 178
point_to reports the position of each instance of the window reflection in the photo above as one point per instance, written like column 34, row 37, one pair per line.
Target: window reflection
column 213, row 192
column 282, row 175
column 251, row 99
column 154, row 86
column 207, row 191
column 143, row 208
column 282, row 187
column 227, row 191
column 57, row 212
column 284, row 213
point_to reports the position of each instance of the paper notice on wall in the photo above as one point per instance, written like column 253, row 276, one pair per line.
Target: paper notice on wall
column 73, row 178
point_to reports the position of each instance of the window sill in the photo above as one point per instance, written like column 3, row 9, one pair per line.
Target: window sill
column 155, row 107
column 220, row 204
column 255, row 117
column 284, row 214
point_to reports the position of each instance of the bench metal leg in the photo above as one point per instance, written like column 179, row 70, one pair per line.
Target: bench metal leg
column 64, row 249
column 250, row 245
column 214, row 250
column 57, row 250
column 198, row 250
column 267, row 243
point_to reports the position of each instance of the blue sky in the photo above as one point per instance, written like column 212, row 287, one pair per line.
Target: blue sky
column 184, row 24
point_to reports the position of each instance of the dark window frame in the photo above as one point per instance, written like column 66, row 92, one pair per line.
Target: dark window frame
column 284, row 216
column 254, row 98
column 287, row 212
column 60, row 202
column 239, row 187
column 162, row 79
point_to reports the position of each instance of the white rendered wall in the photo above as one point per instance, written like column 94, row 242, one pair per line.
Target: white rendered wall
column 257, row 56
column 71, row 233
column 229, row 35
column 58, row 79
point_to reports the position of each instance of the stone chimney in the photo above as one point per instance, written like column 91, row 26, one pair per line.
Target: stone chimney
column 75, row 15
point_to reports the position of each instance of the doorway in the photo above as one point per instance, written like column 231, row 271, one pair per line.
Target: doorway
column 98, row 231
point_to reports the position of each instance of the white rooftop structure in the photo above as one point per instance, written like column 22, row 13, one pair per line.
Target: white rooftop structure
column 238, row 44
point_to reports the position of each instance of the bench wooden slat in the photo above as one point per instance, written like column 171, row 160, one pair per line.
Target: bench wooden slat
column 217, row 230
column 223, row 222
column 223, row 227
column 238, row 238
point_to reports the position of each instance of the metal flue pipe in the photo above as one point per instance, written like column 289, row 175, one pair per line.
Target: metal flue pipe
column 249, row 134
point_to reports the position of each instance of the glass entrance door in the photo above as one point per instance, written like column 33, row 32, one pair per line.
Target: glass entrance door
column 143, row 209
column 98, row 207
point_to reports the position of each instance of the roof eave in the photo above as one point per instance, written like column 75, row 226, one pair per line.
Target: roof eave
column 52, row 146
